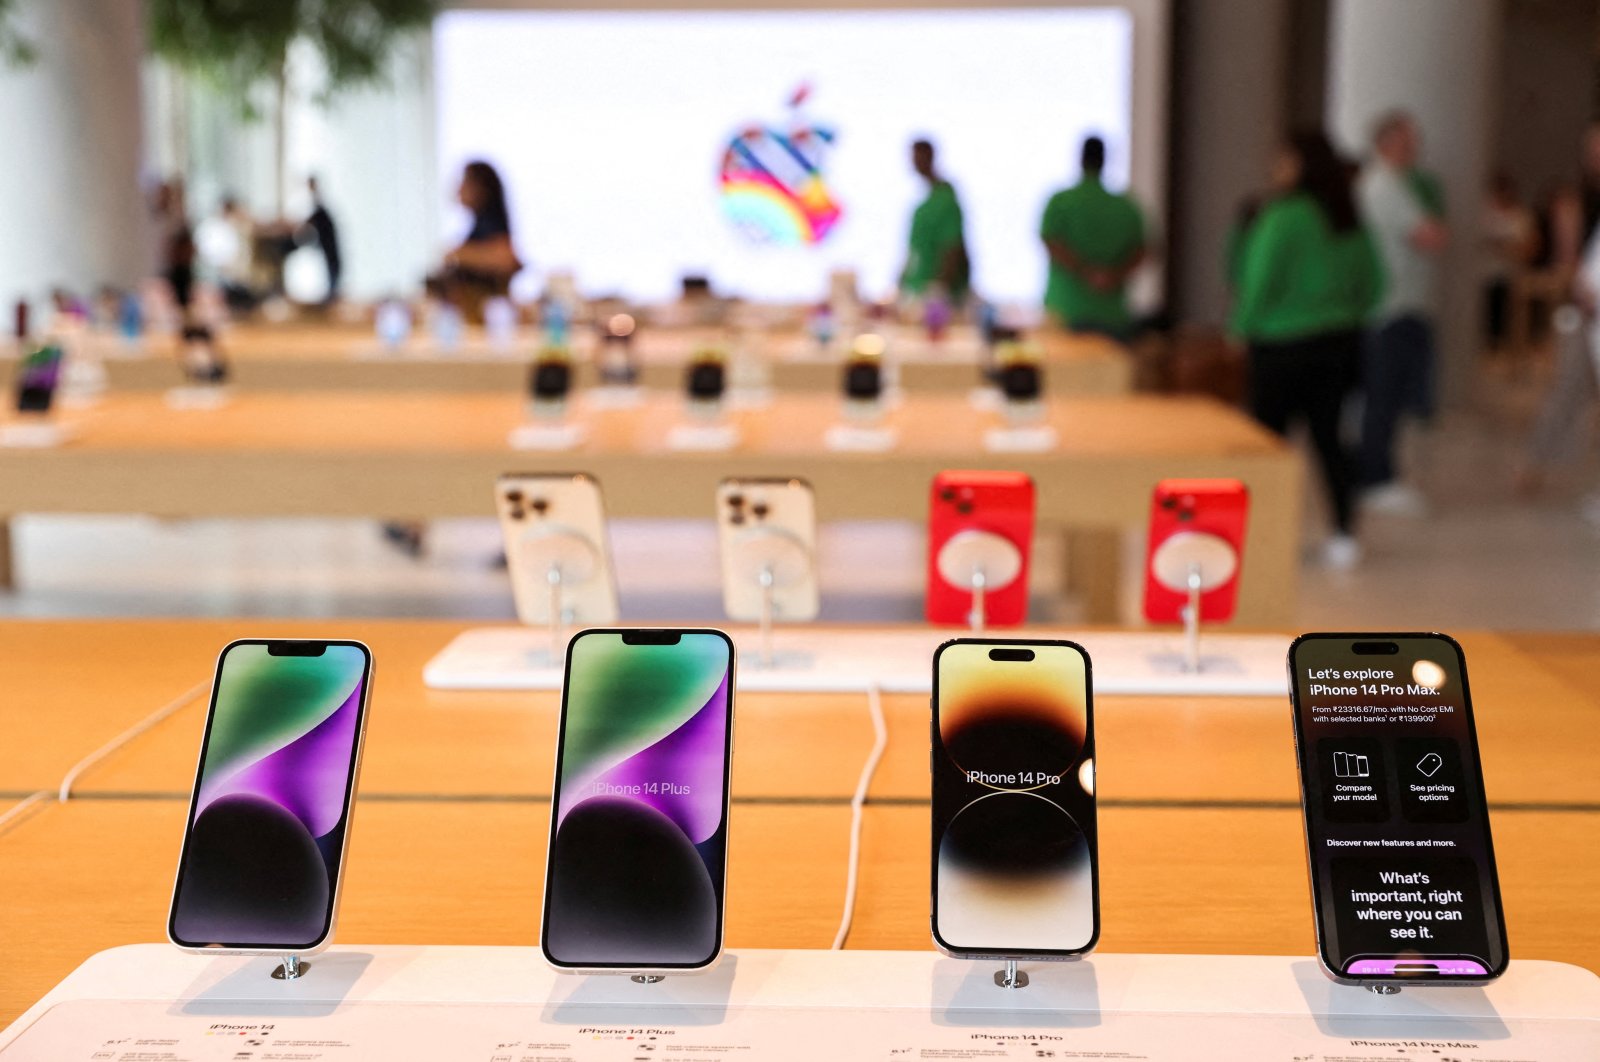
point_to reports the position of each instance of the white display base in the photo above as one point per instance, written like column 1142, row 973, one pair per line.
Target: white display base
column 896, row 660
column 31, row 435
column 703, row 437
column 987, row 399
column 855, row 438
column 482, row 1004
column 565, row 435
column 613, row 396
column 1032, row 439
column 198, row 397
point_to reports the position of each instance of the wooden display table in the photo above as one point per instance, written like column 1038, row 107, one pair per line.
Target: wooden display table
column 334, row 357
column 1201, row 844
column 403, row 455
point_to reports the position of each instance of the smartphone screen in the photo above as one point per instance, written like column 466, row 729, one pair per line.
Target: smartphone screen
column 271, row 806
column 1402, row 867
column 639, row 827
column 1014, row 850
column 37, row 378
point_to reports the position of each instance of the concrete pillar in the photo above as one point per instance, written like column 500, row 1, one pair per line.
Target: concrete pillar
column 1228, row 116
column 1436, row 59
column 71, row 211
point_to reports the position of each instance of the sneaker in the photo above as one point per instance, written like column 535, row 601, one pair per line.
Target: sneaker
column 1395, row 499
column 1341, row 553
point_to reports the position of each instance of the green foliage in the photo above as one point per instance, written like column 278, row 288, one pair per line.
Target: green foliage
column 240, row 44
column 15, row 49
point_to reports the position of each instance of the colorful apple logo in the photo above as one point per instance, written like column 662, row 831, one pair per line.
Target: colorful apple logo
column 772, row 183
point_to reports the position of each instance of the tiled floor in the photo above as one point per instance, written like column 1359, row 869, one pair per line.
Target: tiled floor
column 1483, row 558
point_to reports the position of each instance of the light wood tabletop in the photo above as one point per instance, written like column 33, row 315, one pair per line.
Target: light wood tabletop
column 327, row 356
column 426, row 456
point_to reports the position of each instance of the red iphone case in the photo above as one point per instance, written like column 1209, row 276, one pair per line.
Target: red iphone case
column 1210, row 506
column 998, row 502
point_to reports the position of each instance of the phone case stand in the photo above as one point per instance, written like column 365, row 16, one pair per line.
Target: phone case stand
column 1192, row 562
column 979, row 561
column 291, row 969
column 772, row 559
column 568, row 559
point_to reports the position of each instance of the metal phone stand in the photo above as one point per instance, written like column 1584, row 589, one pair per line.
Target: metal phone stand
column 1010, row 976
column 291, row 969
column 647, row 979
column 982, row 562
column 568, row 558
column 771, row 558
column 1192, row 562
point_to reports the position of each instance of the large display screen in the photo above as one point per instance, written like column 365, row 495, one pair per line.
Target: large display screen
column 764, row 149
column 638, row 845
column 1014, row 864
column 1401, row 860
column 260, row 862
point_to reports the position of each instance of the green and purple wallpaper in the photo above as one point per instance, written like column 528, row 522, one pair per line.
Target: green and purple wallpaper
column 268, row 822
column 638, row 851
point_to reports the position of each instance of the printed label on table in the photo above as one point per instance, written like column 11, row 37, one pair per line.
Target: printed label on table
column 144, row 1031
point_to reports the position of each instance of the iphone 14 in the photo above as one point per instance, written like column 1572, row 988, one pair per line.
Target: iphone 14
column 554, row 529
column 969, row 506
column 1403, row 881
column 767, row 531
column 269, row 821
column 637, row 868
column 1194, row 521
column 1015, row 858
column 38, row 376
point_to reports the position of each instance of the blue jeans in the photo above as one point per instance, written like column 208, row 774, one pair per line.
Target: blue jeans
column 1397, row 378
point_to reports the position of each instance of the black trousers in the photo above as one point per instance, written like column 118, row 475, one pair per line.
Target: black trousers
column 1309, row 378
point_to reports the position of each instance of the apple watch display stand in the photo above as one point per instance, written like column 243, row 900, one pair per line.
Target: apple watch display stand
column 771, row 559
column 982, row 562
column 568, row 559
column 548, row 428
column 706, row 429
column 1191, row 563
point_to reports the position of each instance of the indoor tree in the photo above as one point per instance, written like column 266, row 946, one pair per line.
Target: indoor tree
column 15, row 49
column 242, row 47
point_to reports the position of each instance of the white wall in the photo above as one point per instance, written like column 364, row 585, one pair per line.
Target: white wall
column 70, row 206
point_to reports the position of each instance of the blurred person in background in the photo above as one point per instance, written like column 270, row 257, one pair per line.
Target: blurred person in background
column 1509, row 239
column 1308, row 276
column 1568, row 239
column 1095, row 239
column 175, row 246
column 937, row 247
column 1404, row 206
column 319, row 227
column 226, row 242
column 482, row 266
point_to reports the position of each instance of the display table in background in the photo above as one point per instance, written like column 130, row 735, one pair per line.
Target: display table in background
column 1201, row 841
column 504, row 1005
column 422, row 456
column 334, row 357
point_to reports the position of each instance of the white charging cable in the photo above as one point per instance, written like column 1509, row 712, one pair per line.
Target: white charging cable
column 126, row 736
column 880, row 731
column 23, row 805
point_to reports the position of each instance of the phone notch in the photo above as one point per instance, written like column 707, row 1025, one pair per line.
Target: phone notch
column 648, row 637
column 1011, row 654
column 296, row 648
column 1375, row 648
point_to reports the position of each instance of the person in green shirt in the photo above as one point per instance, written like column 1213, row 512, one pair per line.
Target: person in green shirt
column 937, row 252
column 1095, row 238
column 1308, row 277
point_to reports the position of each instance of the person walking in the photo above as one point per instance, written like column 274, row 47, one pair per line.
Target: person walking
column 1308, row 276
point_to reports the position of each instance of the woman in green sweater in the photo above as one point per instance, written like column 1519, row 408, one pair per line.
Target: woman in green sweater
column 1308, row 276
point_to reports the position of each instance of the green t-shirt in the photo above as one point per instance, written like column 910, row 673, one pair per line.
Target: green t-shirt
column 1298, row 277
column 937, row 229
column 1100, row 228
